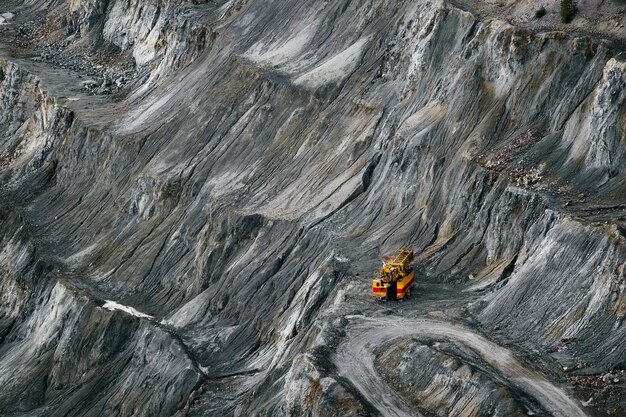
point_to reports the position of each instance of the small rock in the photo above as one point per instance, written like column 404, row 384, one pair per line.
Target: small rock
column 90, row 84
column 607, row 377
column 587, row 403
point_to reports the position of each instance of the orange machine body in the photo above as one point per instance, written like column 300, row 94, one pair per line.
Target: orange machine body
column 396, row 277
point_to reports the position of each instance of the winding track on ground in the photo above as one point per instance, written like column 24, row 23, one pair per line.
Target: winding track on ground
column 355, row 361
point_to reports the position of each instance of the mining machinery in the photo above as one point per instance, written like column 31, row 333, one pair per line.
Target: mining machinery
column 396, row 277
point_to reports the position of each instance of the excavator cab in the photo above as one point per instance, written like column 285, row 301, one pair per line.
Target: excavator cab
column 384, row 289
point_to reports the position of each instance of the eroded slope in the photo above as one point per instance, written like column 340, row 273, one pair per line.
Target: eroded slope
column 198, row 238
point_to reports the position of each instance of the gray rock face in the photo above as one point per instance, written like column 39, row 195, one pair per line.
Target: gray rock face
column 198, row 238
column 441, row 383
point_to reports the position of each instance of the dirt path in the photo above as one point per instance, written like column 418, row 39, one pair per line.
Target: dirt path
column 355, row 361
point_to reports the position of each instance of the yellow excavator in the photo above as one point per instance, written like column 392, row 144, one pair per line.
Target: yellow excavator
column 396, row 277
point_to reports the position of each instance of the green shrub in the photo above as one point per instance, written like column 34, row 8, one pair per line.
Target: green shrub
column 568, row 10
column 541, row 12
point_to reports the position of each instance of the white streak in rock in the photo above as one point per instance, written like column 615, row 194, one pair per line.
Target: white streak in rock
column 112, row 305
column 336, row 69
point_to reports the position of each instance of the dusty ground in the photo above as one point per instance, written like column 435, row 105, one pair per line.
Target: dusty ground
column 599, row 17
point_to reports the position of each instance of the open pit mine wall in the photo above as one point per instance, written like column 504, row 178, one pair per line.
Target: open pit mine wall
column 274, row 156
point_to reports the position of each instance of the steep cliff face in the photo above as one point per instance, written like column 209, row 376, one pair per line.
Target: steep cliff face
column 199, row 239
